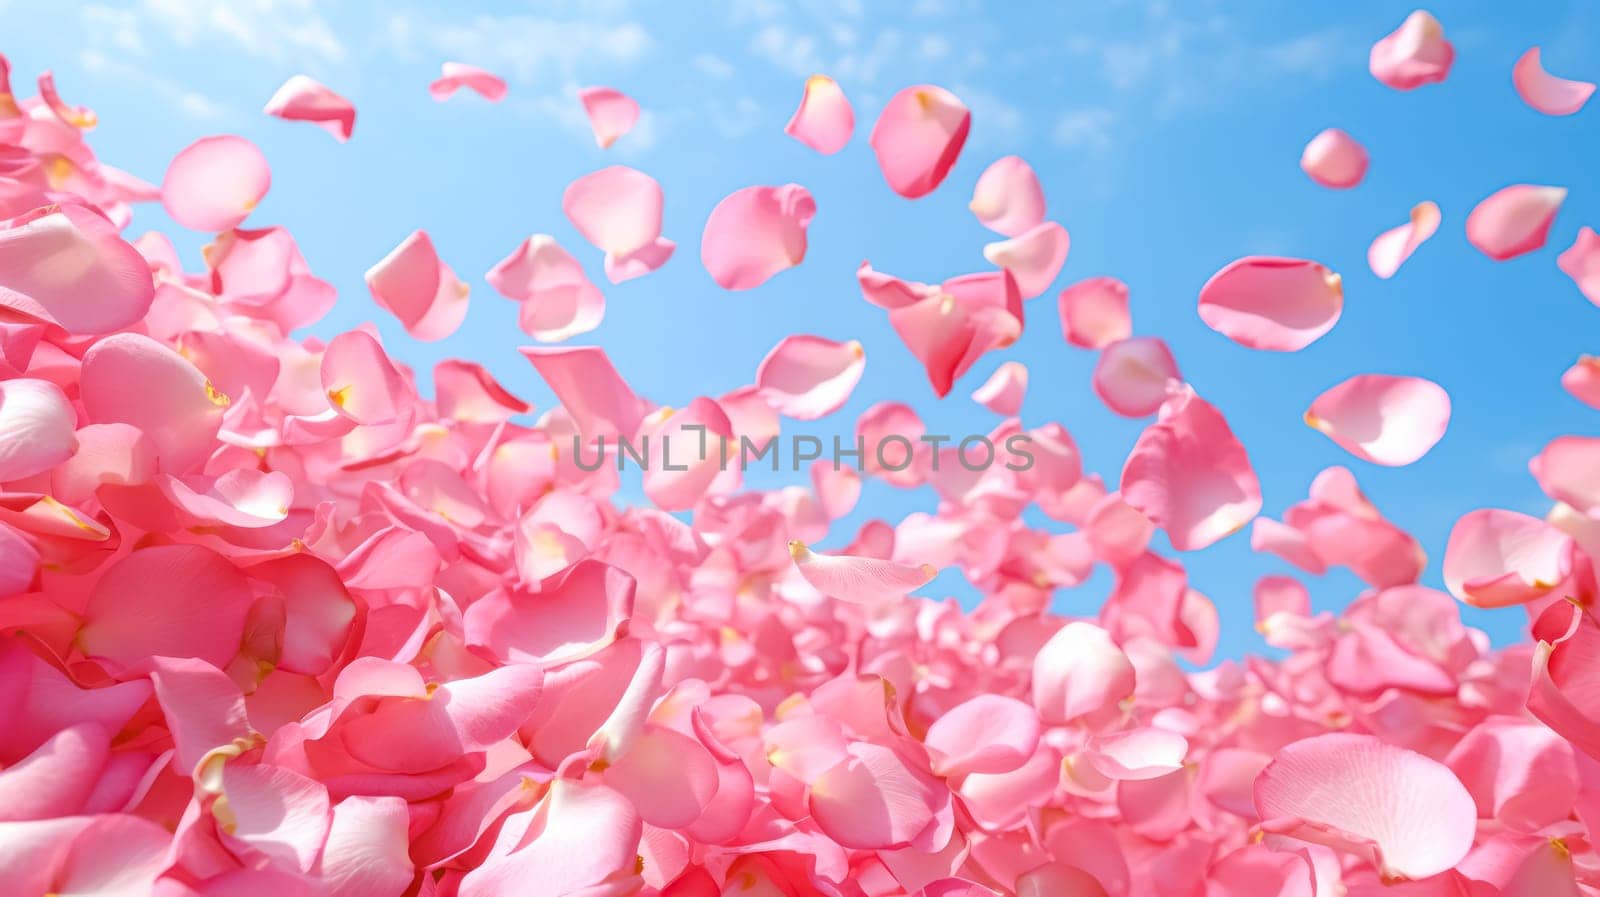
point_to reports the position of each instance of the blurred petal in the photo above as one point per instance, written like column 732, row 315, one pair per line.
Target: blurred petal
column 1034, row 257
column 1334, row 159
column 611, row 112
column 859, row 580
column 215, row 182
column 1132, row 376
column 456, row 75
column 1514, row 221
column 1002, row 393
column 1414, row 54
column 1007, row 198
column 304, row 99
column 1544, row 91
column 1392, row 247
column 1094, row 312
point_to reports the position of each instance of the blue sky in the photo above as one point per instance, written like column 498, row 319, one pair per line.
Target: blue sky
column 1167, row 138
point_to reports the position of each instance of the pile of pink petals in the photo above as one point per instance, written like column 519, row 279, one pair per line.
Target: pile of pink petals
column 273, row 623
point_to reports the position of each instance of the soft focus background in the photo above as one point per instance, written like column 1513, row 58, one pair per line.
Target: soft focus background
column 1167, row 137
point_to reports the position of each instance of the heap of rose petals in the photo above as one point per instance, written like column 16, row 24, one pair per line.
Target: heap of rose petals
column 272, row 622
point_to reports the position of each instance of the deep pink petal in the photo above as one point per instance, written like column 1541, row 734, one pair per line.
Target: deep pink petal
column 1273, row 304
column 917, row 138
column 824, row 120
column 456, row 75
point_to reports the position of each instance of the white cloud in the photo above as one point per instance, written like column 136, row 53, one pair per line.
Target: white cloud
column 195, row 105
column 736, row 119
column 524, row 47
column 281, row 30
column 1085, row 129
column 794, row 53
column 713, row 66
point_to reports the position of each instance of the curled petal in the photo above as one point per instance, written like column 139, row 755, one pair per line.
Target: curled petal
column 1189, row 474
column 1583, row 380
column 1544, row 91
column 412, row 284
column 304, row 99
column 807, row 377
column 1132, row 375
column 618, row 209
column 1094, row 312
column 755, row 233
column 1007, row 198
column 557, row 299
column 69, row 267
column 1413, row 819
column 1384, row 419
column 1412, row 55
column 859, row 580
column 468, row 392
column 1496, row 558
column 1138, row 754
column 639, row 262
column 1392, row 247
column 1078, row 672
column 456, row 75
column 599, row 401
column 1002, row 393
column 1034, row 257
column 241, row 497
column 1273, row 304
column 132, row 379
column 988, row 734
column 1514, row 221
column 215, row 183
column 360, row 380
column 1334, row 159
column 38, row 424
column 1580, row 261
column 824, row 120
column 917, row 138
column 611, row 112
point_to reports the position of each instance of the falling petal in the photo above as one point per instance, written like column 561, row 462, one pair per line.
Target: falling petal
column 1544, row 91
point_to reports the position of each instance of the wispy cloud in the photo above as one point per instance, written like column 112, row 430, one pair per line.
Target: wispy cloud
column 191, row 103
column 1087, row 129
column 281, row 30
column 525, row 48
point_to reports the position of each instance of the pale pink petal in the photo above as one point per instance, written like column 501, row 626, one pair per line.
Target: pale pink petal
column 132, row 379
column 1544, row 91
column 574, row 614
column 1334, row 159
column 1276, row 595
column 1079, row 671
column 874, row 800
column 412, row 284
column 302, row 98
column 755, row 233
column 557, row 299
column 618, row 209
column 888, row 291
column 1059, row 880
column 1580, row 261
column 318, row 612
column 1132, row 375
column 669, row 777
column 1117, row 533
column 58, row 778
column 611, row 112
column 1497, row 558
column 366, row 851
column 1094, row 312
column 204, row 710
column 988, row 734
column 639, row 262
column 824, row 120
column 1412, row 55
column 215, row 183
column 1273, row 304
column 1392, row 247
column 1002, row 393
column 1034, row 257
column 166, row 601
column 1514, row 220
column 1566, row 471
column 1405, row 813
column 38, row 424
column 838, row 486
column 590, row 389
column 917, row 138
column 1138, row 754
column 19, row 562
column 456, row 75
column 859, row 580
column 1381, row 418
column 1007, row 198
column 1258, row 871
column 360, row 380
column 1583, row 380
column 581, row 839
column 692, row 447
column 68, row 266
column 276, row 811
column 468, row 392
column 1518, row 771
column 807, row 377
column 1188, row 473
column 242, row 497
